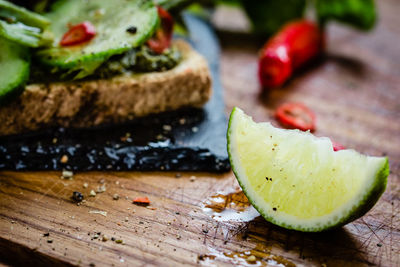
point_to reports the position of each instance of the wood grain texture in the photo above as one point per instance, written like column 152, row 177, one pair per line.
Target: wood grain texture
column 355, row 93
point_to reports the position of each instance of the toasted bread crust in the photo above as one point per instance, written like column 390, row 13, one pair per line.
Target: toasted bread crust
column 116, row 100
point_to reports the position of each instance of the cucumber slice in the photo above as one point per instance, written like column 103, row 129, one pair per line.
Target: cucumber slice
column 20, row 33
column 111, row 20
column 14, row 69
column 22, row 26
column 14, row 12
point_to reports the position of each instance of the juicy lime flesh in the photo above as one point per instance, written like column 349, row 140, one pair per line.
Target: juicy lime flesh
column 295, row 178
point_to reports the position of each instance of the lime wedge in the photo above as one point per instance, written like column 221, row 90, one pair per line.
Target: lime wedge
column 296, row 180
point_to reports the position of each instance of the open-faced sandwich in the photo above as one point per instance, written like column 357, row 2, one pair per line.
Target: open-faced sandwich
column 85, row 63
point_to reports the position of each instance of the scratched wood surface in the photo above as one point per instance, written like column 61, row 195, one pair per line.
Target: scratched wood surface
column 355, row 94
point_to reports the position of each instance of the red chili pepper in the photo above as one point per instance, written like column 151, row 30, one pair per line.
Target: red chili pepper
column 78, row 34
column 296, row 116
column 161, row 40
column 141, row 201
column 337, row 146
column 296, row 44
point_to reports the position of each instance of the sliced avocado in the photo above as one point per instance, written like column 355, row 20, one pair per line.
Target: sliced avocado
column 23, row 26
column 14, row 69
column 111, row 19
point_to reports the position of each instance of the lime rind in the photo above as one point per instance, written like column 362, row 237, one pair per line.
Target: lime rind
column 363, row 200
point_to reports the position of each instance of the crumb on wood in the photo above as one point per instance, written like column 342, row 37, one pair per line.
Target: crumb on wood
column 101, row 189
column 252, row 259
column 104, row 213
column 67, row 174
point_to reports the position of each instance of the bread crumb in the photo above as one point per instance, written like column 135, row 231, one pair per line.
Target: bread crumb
column 64, row 159
column 167, row 127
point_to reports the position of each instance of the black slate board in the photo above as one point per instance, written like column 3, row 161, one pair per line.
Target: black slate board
column 185, row 140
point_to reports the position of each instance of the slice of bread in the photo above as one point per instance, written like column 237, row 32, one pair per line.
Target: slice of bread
column 119, row 99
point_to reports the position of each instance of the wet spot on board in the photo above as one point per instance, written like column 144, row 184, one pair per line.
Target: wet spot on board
column 232, row 205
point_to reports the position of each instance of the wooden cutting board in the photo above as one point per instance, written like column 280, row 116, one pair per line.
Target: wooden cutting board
column 202, row 218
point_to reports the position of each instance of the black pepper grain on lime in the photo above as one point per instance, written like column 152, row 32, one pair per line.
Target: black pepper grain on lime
column 132, row 30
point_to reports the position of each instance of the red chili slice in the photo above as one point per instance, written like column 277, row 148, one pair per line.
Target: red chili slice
column 141, row 201
column 296, row 116
column 337, row 146
column 161, row 40
column 78, row 34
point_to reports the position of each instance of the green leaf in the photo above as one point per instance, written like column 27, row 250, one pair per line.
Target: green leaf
column 358, row 13
column 267, row 16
